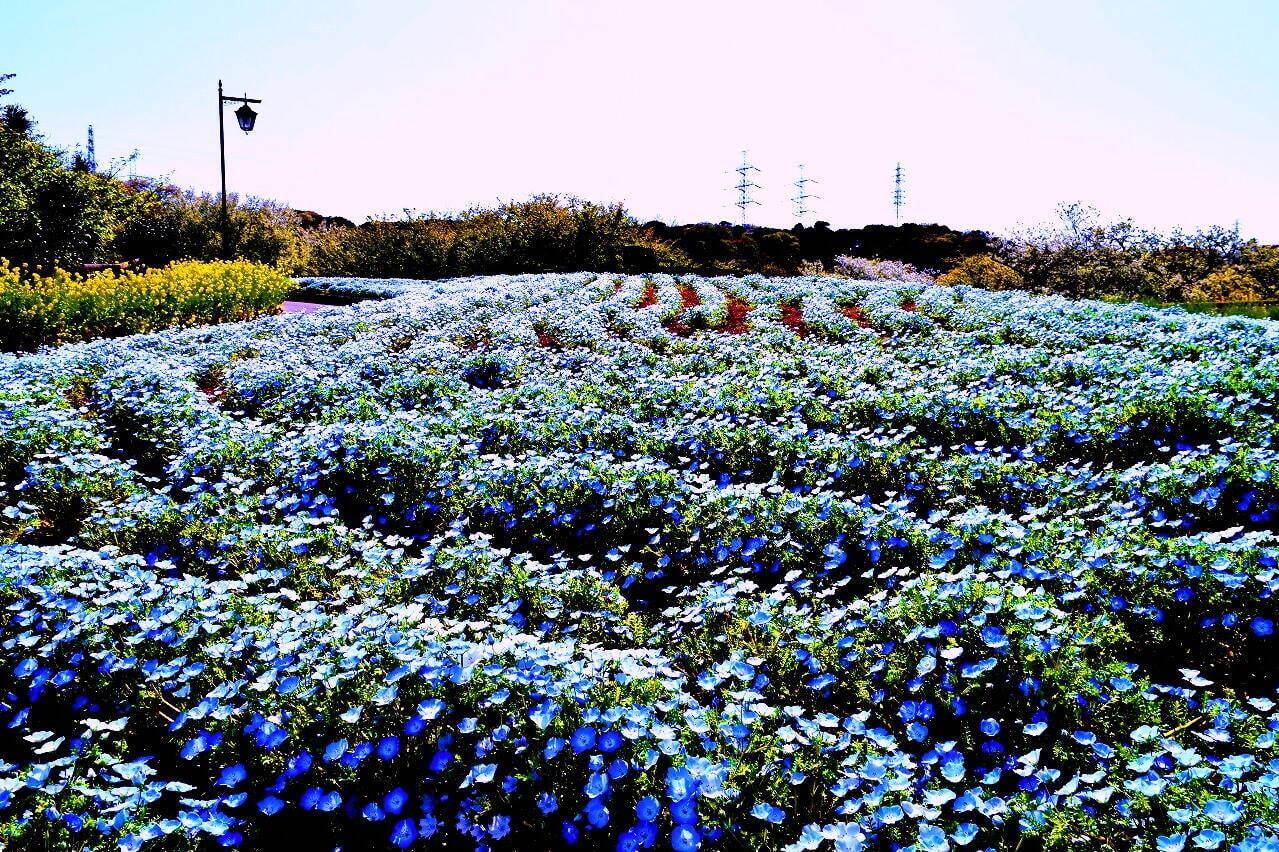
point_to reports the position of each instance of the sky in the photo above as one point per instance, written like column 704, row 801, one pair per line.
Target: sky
column 1167, row 112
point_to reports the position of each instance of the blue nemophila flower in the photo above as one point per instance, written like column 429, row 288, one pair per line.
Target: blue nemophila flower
column 1223, row 811
column 388, row 747
column 1262, row 626
column 835, row 555
column 596, row 785
column 932, row 838
column 684, row 812
column 232, row 775
column 482, row 773
column 648, row 809
column 609, row 742
column 685, row 838
column 430, row 708
column 1209, row 838
column 439, row 761
column 964, row 833
column 768, row 813
column 583, row 739
column 394, row 801
column 404, row 833
column 335, row 750
column 543, row 713
column 597, row 813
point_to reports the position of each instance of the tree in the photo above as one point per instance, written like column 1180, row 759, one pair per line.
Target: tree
column 50, row 214
column 1082, row 255
column 16, row 119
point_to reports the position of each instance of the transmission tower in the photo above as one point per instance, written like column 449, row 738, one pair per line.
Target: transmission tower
column 899, row 194
column 802, row 195
column 91, row 154
column 744, row 186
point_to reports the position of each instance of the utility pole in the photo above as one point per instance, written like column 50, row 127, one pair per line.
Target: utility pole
column 899, row 194
column 744, row 186
column 801, row 197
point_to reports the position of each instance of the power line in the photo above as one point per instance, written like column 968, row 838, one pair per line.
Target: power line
column 801, row 197
column 744, row 186
column 899, row 194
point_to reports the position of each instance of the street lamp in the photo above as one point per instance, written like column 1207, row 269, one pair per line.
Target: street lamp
column 245, row 117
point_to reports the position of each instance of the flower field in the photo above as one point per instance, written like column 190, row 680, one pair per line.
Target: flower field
column 43, row 310
column 596, row 561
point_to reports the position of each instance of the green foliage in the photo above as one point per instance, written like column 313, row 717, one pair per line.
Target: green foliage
column 1229, row 284
column 984, row 271
column 51, row 215
column 173, row 224
column 546, row 233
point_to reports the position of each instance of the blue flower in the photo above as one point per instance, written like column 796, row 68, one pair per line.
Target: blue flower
column 583, row 739
column 404, row 834
column 932, row 838
column 1223, row 811
column 685, row 838
column 647, row 809
column 596, row 785
column 388, row 747
column 334, row 750
column 232, row 775
column 270, row 805
column 768, row 813
column 394, row 801
column 684, row 812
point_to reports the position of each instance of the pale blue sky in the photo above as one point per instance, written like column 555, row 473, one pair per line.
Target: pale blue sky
column 1165, row 111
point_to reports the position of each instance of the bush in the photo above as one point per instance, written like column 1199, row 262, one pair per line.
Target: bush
column 52, row 215
column 546, row 233
column 1262, row 263
column 984, row 271
column 891, row 270
column 173, row 224
column 40, row 310
column 1230, row 284
column 1086, row 257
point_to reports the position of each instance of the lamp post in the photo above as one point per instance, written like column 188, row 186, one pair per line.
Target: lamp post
column 245, row 117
